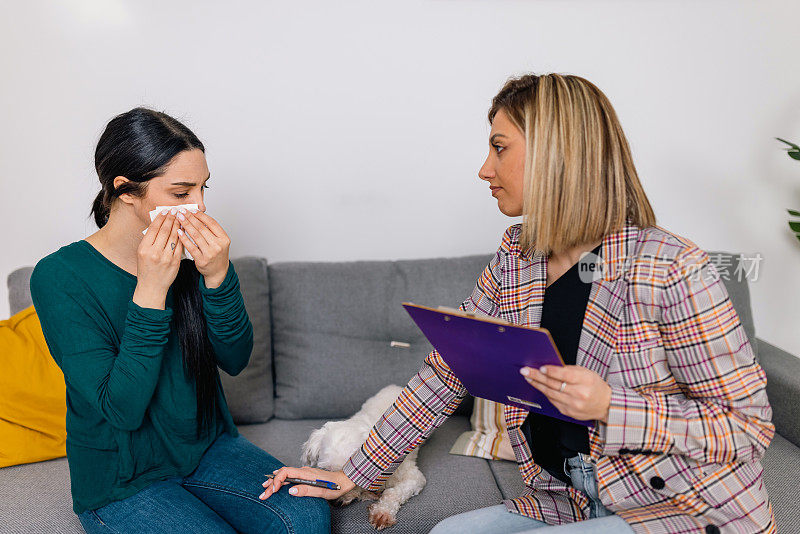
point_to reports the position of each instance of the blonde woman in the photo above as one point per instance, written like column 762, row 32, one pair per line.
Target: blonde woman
column 656, row 355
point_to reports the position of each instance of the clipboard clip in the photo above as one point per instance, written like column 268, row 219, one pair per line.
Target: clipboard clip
column 473, row 315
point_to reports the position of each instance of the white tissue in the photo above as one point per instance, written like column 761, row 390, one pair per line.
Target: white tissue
column 154, row 213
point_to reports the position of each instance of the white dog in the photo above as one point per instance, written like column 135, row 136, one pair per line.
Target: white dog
column 332, row 445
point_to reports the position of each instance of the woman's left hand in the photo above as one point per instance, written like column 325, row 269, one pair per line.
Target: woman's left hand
column 212, row 246
column 584, row 394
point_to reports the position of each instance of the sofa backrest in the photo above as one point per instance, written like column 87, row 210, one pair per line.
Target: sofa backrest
column 250, row 394
column 326, row 328
column 19, row 290
column 333, row 325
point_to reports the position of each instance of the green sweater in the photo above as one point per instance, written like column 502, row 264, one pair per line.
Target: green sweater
column 131, row 411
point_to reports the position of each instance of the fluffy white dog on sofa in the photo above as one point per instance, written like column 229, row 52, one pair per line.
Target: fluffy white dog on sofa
column 332, row 445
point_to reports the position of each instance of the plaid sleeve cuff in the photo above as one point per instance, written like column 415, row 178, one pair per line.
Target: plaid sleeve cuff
column 632, row 425
column 366, row 474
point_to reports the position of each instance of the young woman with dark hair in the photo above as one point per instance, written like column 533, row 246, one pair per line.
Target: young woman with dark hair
column 139, row 334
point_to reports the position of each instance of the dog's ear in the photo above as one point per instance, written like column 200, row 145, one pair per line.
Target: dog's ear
column 310, row 450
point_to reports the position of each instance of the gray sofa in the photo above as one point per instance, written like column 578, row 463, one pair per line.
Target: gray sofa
column 322, row 346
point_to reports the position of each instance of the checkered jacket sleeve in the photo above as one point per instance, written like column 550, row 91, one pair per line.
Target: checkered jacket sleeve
column 722, row 414
column 428, row 399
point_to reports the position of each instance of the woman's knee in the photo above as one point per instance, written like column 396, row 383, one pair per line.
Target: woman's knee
column 309, row 515
column 448, row 525
column 489, row 520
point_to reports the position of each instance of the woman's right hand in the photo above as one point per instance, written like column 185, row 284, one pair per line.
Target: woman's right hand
column 307, row 473
column 158, row 260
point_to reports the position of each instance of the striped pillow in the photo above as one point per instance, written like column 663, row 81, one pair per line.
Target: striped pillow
column 489, row 436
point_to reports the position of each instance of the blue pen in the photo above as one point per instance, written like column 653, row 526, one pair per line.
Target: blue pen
column 316, row 483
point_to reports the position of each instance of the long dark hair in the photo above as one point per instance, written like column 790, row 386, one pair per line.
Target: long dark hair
column 138, row 145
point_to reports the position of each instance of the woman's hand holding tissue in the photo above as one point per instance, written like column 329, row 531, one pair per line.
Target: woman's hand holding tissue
column 158, row 259
column 210, row 248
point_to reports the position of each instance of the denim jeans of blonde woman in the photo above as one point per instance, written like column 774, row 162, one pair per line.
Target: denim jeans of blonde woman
column 498, row 520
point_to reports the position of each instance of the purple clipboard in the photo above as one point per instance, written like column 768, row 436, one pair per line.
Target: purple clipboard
column 486, row 354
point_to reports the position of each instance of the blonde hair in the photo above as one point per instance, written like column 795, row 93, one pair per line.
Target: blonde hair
column 580, row 183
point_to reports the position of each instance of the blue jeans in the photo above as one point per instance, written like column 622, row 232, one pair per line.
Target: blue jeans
column 220, row 496
column 498, row 520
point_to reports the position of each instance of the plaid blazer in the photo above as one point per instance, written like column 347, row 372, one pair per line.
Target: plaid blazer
column 689, row 417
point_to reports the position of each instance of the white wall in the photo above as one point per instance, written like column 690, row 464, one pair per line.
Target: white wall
column 354, row 130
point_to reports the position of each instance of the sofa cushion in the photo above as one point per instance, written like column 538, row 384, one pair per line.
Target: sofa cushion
column 37, row 499
column 250, row 394
column 19, row 291
column 783, row 388
column 444, row 472
column 489, row 436
column 508, row 478
column 333, row 324
column 781, row 464
column 32, row 394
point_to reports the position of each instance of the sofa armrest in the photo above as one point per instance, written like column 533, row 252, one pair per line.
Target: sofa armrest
column 19, row 291
column 783, row 388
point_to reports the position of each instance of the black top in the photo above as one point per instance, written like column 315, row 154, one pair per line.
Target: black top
column 564, row 306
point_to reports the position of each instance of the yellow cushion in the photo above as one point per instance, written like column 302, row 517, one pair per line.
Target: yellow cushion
column 33, row 404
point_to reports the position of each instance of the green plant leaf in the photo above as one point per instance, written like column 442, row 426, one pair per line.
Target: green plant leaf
column 794, row 213
column 794, row 146
column 794, row 154
column 794, row 225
